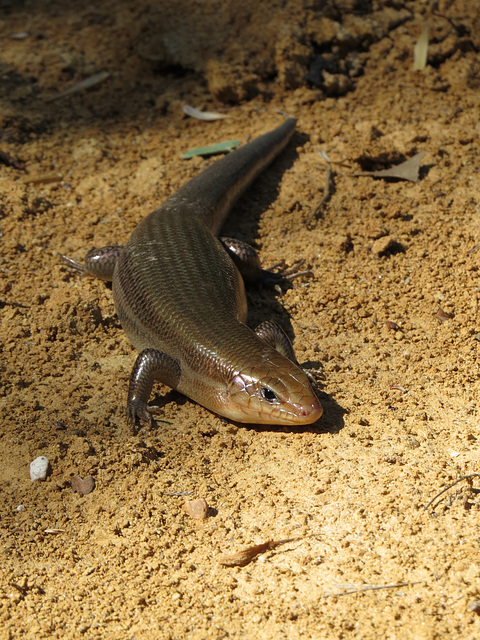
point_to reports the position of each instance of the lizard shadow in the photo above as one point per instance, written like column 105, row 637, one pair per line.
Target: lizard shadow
column 243, row 223
column 331, row 421
column 264, row 302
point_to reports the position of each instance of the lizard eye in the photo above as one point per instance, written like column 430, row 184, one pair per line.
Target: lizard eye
column 269, row 395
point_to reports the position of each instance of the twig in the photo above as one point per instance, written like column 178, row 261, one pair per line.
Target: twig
column 371, row 587
column 178, row 493
column 244, row 557
column 327, row 193
column 81, row 86
column 470, row 475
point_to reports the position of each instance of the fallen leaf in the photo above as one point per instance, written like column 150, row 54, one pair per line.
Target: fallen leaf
column 407, row 170
column 221, row 147
column 206, row 116
column 420, row 51
column 43, row 178
column 443, row 316
column 81, row 86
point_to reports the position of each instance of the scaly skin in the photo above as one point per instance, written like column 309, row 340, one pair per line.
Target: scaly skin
column 179, row 295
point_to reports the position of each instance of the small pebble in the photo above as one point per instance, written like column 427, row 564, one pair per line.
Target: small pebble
column 39, row 468
column 196, row 509
column 392, row 325
column 20, row 508
column 384, row 245
column 475, row 606
column 83, row 485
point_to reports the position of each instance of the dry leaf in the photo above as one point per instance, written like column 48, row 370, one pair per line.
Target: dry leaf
column 443, row 315
column 83, row 485
column 206, row 116
column 81, row 86
column 196, row 509
column 242, row 558
column 407, row 170
column 43, row 178
column 420, row 51
column 211, row 150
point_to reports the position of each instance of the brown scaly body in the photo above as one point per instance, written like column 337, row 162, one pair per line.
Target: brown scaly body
column 181, row 301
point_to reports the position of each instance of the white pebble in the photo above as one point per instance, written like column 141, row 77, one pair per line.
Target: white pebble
column 20, row 508
column 39, row 468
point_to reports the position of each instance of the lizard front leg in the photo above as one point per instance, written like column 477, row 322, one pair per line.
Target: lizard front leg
column 150, row 365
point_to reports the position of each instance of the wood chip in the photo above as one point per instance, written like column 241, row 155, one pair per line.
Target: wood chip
column 244, row 557
column 196, row 509
column 83, row 485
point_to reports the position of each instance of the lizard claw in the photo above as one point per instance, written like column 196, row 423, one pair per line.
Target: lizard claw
column 137, row 413
column 73, row 264
column 284, row 275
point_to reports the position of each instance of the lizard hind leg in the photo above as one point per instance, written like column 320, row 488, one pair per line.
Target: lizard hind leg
column 273, row 334
column 247, row 262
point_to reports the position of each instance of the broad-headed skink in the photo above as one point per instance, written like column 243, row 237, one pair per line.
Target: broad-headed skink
column 180, row 298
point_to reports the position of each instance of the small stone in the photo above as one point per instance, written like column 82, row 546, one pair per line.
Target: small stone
column 383, row 245
column 39, row 468
column 83, row 485
column 20, row 507
column 196, row 509
column 475, row 606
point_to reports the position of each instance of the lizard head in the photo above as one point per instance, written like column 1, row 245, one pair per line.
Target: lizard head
column 271, row 390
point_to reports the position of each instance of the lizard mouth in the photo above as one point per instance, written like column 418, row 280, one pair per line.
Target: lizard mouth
column 300, row 413
column 308, row 412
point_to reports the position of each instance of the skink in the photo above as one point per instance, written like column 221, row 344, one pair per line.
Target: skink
column 181, row 300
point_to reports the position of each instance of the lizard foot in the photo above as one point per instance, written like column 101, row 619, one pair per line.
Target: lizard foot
column 283, row 275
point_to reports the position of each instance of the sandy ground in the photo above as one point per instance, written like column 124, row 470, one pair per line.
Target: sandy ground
column 390, row 319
